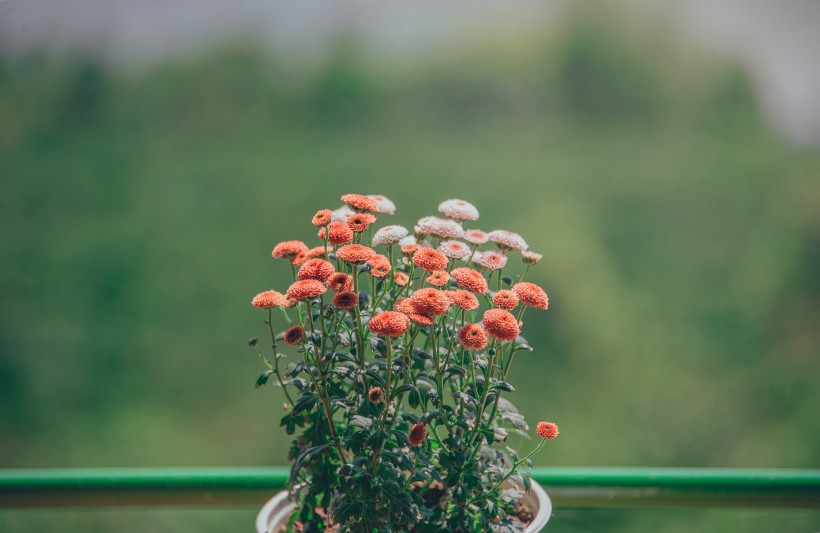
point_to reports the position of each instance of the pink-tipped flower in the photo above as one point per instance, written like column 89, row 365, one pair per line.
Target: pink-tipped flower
column 546, row 430
column 317, row 269
column 507, row 240
column 430, row 259
column 505, row 299
column 340, row 282
column 267, row 299
column 440, row 227
column 306, row 289
column 470, row 279
column 360, row 202
column 530, row 258
column 492, row 259
column 501, row 324
column 417, row 434
column 322, row 218
column 389, row 324
column 383, row 204
column 379, row 266
column 463, row 299
column 438, row 278
column 454, row 249
column 358, row 222
column 288, row 249
column 294, row 335
column 355, row 254
column 531, row 295
column 345, row 300
column 475, row 236
column 430, row 301
column 458, row 209
column 389, row 235
column 472, row 337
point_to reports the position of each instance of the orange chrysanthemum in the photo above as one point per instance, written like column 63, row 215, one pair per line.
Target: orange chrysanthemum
column 409, row 249
column 421, row 320
column 287, row 303
column 345, row 300
column 438, row 278
column 267, row 299
column 470, row 279
column 417, row 434
column 430, row 301
column 294, row 335
column 401, row 279
column 317, row 269
column 359, row 202
column 472, row 337
column 313, row 253
column 546, row 430
column 505, row 299
column 379, row 266
column 389, row 324
column 338, row 233
column 288, row 249
column 430, row 259
column 355, row 254
column 305, row 289
column 463, row 299
column 375, row 394
column 501, row 324
column 531, row 294
column 340, row 282
column 358, row 222
column 404, row 306
column 322, row 218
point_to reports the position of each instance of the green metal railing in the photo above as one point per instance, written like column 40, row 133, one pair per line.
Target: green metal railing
column 568, row 487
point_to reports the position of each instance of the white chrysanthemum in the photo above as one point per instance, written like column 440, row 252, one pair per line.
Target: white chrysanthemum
column 507, row 239
column 385, row 205
column 407, row 240
column 458, row 209
column 389, row 235
column 342, row 213
column 492, row 259
column 440, row 227
column 475, row 236
column 530, row 257
column 454, row 249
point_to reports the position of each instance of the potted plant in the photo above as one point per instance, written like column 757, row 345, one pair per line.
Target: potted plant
column 396, row 392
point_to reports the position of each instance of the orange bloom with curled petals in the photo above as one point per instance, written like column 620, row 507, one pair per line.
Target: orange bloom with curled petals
column 463, row 299
column 546, row 430
column 340, row 282
column 358, row 222
column 417, row 434
column 409, row 249
column 313, row 253
column 305, row 289
column 267, row 299
column 379, row 266
column 355, row 254
column 430, row 301
column 405, row 306
column 531, row 294
column 389, row 324
column 288, row 249
column 472, row 337
column 294, row 335
column 438, row 278
column 375, row 394
column 401, row 279
column 338, row 233
column 501, row 324
column 287, row 303
column 470, row 279
column 345, row 300
column 360, row 202
column 317, row 269
column 430, row 259
column 322, row 218
column 505, row 299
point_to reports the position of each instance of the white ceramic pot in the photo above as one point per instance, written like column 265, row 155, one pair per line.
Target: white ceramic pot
column 278, row 509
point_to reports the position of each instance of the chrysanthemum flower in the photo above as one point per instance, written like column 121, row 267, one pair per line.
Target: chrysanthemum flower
column 340, row 282
column 287, row 303
column 546, row 430
column 355, row 254
column 313, row 253
column 375, row 394
column 421, row 320
column 430, row 301
column 430, row 259
column 305, row 289
column 530, row 258
column 401, row 278
column 358, row 222
column 438, row 278
column 472, row 337
column 379, row 266
column 267, row 299
column 288, row 249
column 294, row 335
column 458, row 209
column 383, row 204
column 470, row 279
column 317, row 269
column 389, row 235
column 501, row 324
column 341, row 214
column 404, row 306
column 475, row 236
column 389, row 324
column 417, row 434
column 339, row 233
column 359, row 202
column 454, row 249
column 463, row 299
column 408, row 250
column 440, row 227
column 322, row 218
column 505, row 299
column 531, row 294
column 345, row 300
column 507, row 240
column 410, row 239
column 492, row 259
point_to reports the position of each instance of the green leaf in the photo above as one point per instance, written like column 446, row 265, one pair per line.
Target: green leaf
column 305, row 403
column 404, row 388
column 503, row 385
column 263, row 378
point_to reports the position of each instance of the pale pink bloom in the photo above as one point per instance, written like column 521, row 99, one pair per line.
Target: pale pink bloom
column 530, row 258
column 454, row 249
column 507, row 239
column 407, row 240
column 342, row 213
column 389, row 235
column 492, row 259
column 441, row 227
column 475, row 236
column 458, row 209
column 384, row 204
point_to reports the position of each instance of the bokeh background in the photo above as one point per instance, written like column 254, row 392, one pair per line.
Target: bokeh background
column 663, row 157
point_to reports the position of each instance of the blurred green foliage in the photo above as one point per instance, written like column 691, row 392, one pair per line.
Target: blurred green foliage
column 680, row 237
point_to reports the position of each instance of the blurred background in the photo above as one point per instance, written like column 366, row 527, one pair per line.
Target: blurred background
column 663, row 156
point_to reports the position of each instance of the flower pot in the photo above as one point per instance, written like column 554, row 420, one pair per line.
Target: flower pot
column 277, row 510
